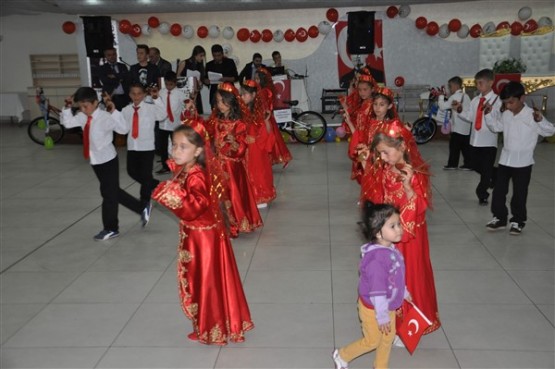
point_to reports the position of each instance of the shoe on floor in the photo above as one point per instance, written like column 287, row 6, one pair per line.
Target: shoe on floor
column 495, row 224
column 106, row 235
column 262, row 206
column 449, row 168
column 483, row 202
column 464, row 167
column 145, row 215
column 193, row 336
column 516, row 228
column 339, row 362
column 163, row 171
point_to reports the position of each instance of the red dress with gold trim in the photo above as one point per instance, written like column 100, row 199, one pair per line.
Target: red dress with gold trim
column 259, row 163
column 280, row 153
column 363, row 125
column 210, row 287
column 414, row 245
column 230, row 148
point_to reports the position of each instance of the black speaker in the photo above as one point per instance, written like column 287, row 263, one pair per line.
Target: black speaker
column 360, row 32
column 98, row 35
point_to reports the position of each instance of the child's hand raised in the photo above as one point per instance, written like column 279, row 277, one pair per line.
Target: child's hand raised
column 537, row 114
column 68, row 101
column 457, row 106
column 107, row 99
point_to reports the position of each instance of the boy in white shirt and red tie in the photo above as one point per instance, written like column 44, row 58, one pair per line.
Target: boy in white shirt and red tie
column 521, row 126
column 137, row 121
column 98, row 133
column 173, row 99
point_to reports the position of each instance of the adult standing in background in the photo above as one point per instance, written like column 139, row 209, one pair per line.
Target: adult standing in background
column 114, row 77
column 222, row 65
column 163, row 65
column 195, row 63
column 143, row 72
column 250, row 69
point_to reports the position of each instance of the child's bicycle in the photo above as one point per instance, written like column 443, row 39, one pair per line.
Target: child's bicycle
column 307, row 127
column 424, row 128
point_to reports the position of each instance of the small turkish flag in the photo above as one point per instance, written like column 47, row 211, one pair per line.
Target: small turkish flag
column 413, row 326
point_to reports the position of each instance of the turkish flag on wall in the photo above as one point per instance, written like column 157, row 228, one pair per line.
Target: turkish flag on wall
column 413, row 326
column 282, row 88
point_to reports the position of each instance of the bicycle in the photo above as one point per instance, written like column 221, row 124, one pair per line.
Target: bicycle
column 424, row 128
column 307, row 127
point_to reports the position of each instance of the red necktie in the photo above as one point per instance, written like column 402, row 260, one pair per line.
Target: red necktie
column 86, row 130
column 169, row 108
column 479, row 114
column 135, row 128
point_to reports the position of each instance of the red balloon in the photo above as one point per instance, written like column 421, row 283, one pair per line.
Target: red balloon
column 301, row 35
column 503, row 25
column 432, row 28
column 125, row 26
column 289, row 35
column 243, row 34
column 313, row 31
column 454, row 25
column 255, row 36
column 175, row 29
column 135, row 30
column 267, row 35
column 153, row 22
column 516, row 28
column 68, row 27
column 421, row 22
column 475, row 31
column 530, row 26
column 399, row 81
column 202, row 32
column 392, row 11
column 332, row 15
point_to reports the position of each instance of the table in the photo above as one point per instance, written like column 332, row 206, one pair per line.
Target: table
column 12, row 104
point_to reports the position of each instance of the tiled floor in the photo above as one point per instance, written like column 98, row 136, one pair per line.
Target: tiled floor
column 70, row 302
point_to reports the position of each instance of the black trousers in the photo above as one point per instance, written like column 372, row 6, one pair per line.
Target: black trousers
column 139, row 167
column 163, row 138
column 483, row 160
column 521, row 179
column 459, row 144
column 108, row 176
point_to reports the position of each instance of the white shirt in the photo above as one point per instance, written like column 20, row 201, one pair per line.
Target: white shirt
column 484, row 137
column 101, row 133
column 148, row 115
column 520, row 135
column 177, row 98
column 458, row 123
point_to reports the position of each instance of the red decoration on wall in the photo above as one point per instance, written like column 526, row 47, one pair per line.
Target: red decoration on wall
column 503, row 25
column 313, row 31
column 332, row 15
column 399, row 81
column 68, row 27
column 475, row 31
column 175, row 29
column 255, row 36
column 392, row 11
column 530, row 26
column 243, row 34
column 454, row 25
column 289, row 35
column 202, row 32
column 516, row 28
column 153, row 22
column 125, row 26
column 267, row 35
column 421, row 22
column 135, row 30
column 432, row 28
column 301, row 35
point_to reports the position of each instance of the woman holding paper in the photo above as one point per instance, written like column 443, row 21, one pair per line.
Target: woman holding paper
column 194, row 67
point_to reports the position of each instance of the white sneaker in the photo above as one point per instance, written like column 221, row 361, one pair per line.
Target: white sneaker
column 262, row 206
column 397, row 342
column 339, row 362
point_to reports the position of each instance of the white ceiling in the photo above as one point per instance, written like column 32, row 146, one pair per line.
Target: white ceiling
column 109, row 7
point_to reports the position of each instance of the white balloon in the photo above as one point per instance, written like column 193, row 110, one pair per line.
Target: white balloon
column 463, row 31
column 278, row 35
column 187, row 31
column 214, row 31
column 524, row 13
column 145, row 29
column 228, row 33
column 444, row 31
column 324, row 27
column 545, row 21
column 404, row 11
column 164, row 28
column 227, row 49
column 488, row 28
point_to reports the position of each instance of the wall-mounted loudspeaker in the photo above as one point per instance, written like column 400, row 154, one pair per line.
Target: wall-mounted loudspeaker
column 360, row 32
column 98, row 35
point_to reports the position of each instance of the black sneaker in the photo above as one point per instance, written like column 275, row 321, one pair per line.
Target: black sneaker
column 105, row 235
column 447, row 167
column 464, row 167
column 516, row 228
column 483, row 202
column 496, row 224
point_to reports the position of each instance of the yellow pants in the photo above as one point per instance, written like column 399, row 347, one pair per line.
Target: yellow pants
column 373, row 339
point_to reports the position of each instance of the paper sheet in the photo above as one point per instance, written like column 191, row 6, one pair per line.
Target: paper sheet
column 215, row 78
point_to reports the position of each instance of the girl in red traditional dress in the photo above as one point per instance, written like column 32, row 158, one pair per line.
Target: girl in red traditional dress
column 358, row 110
column 403, row 180
column 260, row 140
column 280, row 152
column 210, row 288
column 227, row 127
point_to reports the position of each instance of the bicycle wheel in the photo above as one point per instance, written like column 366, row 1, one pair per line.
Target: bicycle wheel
column 309, row 127
column 37, row 130
column 424, row 129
